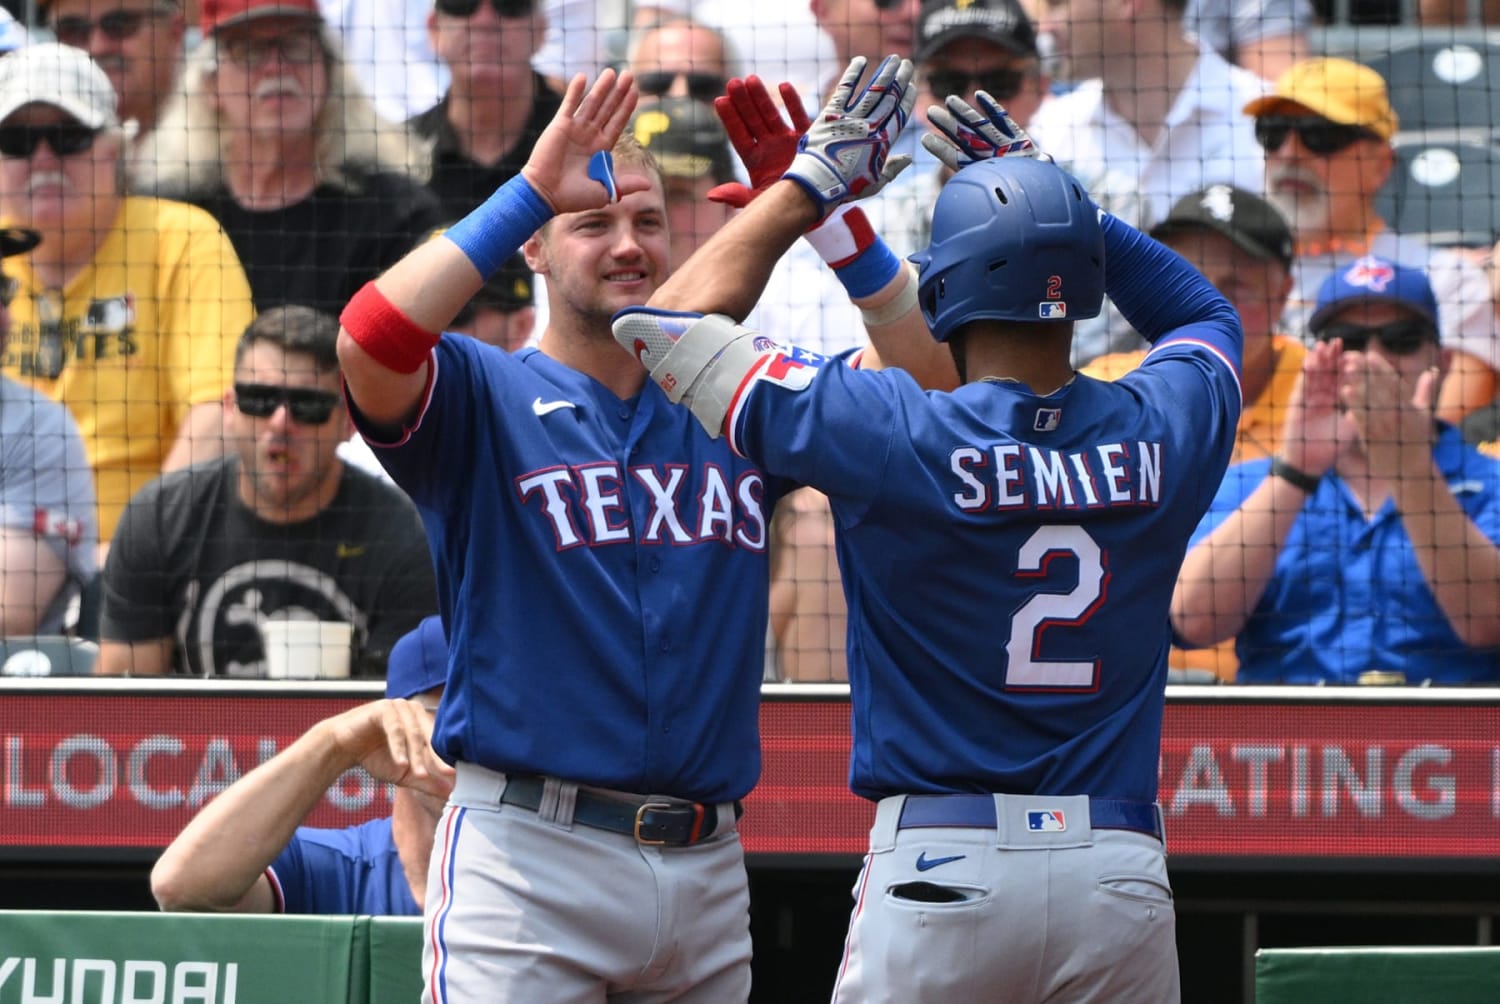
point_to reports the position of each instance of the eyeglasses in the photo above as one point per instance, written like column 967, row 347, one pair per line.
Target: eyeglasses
column 700, row 86
column 1002, row 85
column 10, row 288
column 117, row 26
column 65, row 138
column 1399, row 338
column 1319, row 136
column 254, row 51
column 502, row 8
column 885, row 5
column 306, row 405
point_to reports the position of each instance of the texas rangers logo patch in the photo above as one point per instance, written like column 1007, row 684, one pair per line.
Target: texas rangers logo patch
column 792, row 368
column 1370, row 273
column 1046, row 821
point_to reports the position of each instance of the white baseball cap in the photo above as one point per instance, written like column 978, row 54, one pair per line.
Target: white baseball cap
column 60, row 76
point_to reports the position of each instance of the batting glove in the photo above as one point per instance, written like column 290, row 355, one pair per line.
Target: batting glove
column 762, row 138
column 968, row 136
column 846, row 153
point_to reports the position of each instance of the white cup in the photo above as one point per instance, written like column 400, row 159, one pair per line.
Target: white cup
column 306, row 650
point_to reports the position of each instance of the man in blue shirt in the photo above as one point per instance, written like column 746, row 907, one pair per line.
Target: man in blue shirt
column 245, row 852
column 1365, row 552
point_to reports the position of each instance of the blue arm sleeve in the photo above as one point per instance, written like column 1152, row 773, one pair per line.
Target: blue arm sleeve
column 1156, row 289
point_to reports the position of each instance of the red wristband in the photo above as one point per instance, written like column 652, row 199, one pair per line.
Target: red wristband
column 385, row 332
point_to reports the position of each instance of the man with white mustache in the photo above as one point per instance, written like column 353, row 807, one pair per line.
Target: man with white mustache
column 273, row 137
column 128, row 309
column 1326, row 130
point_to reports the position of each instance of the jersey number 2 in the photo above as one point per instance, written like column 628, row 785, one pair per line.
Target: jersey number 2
column 1046, row 610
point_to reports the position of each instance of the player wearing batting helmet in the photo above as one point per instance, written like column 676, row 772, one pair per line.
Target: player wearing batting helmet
column 1009, row 551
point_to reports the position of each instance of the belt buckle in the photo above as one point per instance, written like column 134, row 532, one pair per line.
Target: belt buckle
column 640, row 816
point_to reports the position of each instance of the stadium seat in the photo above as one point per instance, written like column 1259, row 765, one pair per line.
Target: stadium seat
column 47, row 655
column 1443, row 82
column 1447, row 192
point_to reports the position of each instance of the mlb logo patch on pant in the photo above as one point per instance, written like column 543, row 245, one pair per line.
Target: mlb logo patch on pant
column 1046, row 821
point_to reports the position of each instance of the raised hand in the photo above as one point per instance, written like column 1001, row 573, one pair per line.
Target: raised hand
column 570, row 166
column 1315, row 431
column 846, row 153
column 763, row 139
column 1395, row 432
column 966, row 135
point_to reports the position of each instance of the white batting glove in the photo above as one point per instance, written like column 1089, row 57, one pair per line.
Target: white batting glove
column 846, row 154
column 968, row 136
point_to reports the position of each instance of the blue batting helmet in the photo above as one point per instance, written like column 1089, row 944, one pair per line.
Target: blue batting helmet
column 1013, row 239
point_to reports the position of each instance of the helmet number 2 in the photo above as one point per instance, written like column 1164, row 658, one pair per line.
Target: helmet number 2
column 1054, row 287
column 1023, row 667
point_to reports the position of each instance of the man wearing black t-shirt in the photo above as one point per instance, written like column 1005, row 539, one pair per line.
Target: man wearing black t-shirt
column 497, row 105
column 317, row 194
column 280, row 529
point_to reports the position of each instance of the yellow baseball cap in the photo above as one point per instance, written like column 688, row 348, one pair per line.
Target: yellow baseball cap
column 1340, row 90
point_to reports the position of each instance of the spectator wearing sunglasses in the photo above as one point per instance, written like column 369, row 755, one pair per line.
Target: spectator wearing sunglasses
column 128, row 310
column 48, row 519
column 137, row 43
column 496, row 106
column 1327, row 130
column 272, row 136
column 279, row 529
column 1154, row 117
column 1367, row 550
column 680, row 58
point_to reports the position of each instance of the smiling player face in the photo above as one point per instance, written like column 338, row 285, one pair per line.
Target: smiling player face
column 600, row 261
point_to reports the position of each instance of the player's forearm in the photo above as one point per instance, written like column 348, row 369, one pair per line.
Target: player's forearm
column 728, row 274
column 1224, row 577
column 1156, row 290
column 899, row 336
column 1459, row 563
column 220, row 855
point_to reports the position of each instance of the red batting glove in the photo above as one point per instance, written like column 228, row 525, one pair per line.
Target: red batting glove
column 759, row 135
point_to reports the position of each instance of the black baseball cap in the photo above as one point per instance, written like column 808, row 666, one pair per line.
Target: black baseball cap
column 1251, row 223
column 1002, row 22
column 17, row 240
column 686, row 138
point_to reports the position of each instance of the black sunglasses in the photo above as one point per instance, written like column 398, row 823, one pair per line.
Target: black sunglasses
column 700, row 86
column 306, row 405
column 117, row 26
column 1399, row 338
column 1002, row 85
column 65, row 139
column 887, row 4
column 468, row 8
column 1319, row 136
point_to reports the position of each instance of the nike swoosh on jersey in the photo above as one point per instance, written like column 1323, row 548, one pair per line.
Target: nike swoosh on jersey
column 924, row 863
column 548, row 407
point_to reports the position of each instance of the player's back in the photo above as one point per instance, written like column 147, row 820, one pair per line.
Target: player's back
column 1009, row 580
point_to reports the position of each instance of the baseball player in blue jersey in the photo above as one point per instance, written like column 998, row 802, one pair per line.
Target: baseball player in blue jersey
column 600, row 711
column 245, row 852
column 1009, row 552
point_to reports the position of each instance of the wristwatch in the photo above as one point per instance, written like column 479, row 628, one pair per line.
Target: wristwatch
column 1294, row 475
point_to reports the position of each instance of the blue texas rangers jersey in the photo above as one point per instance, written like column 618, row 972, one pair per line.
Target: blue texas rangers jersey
column 602, row 573
column 354, row 870
column 1347, row 595
column 1008, row 558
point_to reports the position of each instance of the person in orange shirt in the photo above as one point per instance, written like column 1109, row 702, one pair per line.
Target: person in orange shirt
column 1243, row 246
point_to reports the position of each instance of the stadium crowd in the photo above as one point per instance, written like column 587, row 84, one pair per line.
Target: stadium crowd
column 189, row 195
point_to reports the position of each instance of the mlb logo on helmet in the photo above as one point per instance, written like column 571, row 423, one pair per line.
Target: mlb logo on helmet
column 1052, row 311
column 1046, row 821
